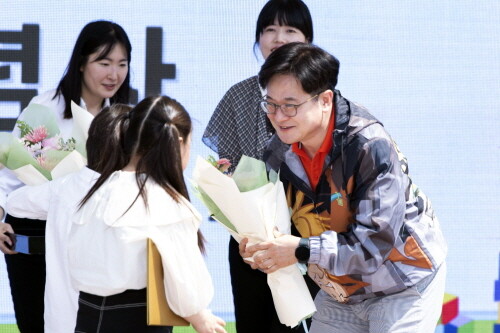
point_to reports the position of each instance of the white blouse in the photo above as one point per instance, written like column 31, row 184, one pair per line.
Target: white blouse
column 55, row 201
column 107, row 244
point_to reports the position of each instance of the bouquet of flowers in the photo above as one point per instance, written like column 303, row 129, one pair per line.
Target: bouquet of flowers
column 252, row 204
column 39, row 153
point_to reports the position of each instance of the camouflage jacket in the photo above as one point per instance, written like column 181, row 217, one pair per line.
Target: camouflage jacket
column 372, row 231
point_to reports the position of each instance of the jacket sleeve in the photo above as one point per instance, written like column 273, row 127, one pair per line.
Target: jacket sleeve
column 379, row 202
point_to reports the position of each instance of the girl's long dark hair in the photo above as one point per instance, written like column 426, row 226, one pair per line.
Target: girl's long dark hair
column 155, row 127
column 105, row 141
column 95, row 36
column 105, row 138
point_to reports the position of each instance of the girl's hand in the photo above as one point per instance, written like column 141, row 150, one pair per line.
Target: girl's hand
column 205, row 322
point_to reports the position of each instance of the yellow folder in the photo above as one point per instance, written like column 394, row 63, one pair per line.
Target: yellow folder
column 159, row 313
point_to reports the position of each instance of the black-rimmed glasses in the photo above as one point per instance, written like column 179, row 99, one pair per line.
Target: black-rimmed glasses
column 289, row 110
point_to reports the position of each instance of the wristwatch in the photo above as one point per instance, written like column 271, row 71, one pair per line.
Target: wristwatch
column 302, row 252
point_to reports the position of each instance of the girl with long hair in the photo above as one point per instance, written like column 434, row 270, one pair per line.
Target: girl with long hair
column 147, row 198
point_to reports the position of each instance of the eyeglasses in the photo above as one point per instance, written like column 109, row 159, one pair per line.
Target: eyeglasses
column 289, row 110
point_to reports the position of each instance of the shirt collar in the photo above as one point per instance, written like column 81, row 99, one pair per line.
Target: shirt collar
column 327, row 141
column 106, row 103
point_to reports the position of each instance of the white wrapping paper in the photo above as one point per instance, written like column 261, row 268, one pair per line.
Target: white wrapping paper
column 254, row 214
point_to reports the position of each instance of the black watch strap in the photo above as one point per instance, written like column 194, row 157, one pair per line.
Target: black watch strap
column 303, row 252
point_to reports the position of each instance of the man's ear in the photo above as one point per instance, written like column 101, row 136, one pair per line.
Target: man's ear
column 326, row 100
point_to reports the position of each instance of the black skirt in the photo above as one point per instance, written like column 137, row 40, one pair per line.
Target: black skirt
column 124, row 312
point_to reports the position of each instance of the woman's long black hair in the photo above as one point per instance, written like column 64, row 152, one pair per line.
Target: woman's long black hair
column 96, row 36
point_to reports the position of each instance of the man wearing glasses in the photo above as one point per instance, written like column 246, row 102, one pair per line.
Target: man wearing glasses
column 368, row 235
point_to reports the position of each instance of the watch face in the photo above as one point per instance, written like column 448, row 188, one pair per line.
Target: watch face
column 302, row 253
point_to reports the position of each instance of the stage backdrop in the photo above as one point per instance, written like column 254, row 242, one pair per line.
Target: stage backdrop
column 429, row 70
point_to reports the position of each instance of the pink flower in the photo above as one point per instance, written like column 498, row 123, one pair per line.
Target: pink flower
column 51, row 143
column 36, row 135
column 223, row 164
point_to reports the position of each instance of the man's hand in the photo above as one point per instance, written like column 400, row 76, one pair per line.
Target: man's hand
column 271, row 255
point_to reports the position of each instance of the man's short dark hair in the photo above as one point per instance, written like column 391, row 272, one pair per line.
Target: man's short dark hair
column 315, row 69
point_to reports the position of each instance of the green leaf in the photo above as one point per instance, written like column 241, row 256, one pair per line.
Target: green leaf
column 23, row 127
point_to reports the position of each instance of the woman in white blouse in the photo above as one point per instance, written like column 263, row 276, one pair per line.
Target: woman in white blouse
column 57, row 200
column 146, row 199
column 96, row 76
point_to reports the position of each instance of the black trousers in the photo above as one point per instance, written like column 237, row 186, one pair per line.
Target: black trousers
column 27, row 280
column 253, row 302
column 124, row 312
